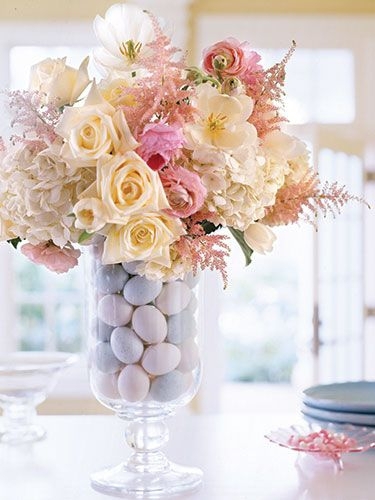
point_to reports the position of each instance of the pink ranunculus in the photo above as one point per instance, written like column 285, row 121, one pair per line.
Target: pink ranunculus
column 159, row 143
column 230, row 57
column 56, row 259
column 184, row 190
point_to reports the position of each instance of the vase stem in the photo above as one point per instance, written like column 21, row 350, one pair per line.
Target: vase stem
column 146, row 436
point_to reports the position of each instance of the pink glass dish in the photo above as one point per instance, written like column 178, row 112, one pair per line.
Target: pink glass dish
column 342, row 439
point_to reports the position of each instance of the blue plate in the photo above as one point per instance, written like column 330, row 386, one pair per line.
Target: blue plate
column 342, row 417
column 356, row 397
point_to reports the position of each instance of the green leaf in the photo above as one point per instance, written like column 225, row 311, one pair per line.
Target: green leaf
column 14, row 242
column 209, row 227
column 84, row 236
column 239, row 237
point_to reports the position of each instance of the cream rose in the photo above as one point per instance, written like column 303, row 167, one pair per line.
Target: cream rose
column 145, row 236
column 93, row 130
column 91, row 214
column 126, row 184
column 58, row 81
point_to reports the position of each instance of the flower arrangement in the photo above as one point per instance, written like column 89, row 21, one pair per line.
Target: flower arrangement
column 155, row 157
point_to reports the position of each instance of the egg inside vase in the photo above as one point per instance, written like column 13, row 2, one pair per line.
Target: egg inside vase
column 144, row 361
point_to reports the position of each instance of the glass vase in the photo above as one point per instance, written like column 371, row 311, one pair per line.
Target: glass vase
column 144, row 363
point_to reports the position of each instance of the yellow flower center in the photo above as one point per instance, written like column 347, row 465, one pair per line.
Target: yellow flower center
column 130, row 50
column 216, row 122
column 87, row 215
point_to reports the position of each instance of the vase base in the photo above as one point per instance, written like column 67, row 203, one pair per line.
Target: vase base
column 122, row 482
column 29, row 434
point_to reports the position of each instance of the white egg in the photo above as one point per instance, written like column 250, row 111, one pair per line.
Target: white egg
column 161, row 358
column 133, row 383
column 106, row 384
column 173, row 298
column 114, row 310
column 150, row 324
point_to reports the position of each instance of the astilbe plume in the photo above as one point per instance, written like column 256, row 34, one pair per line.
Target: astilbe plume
column 268, row 93
column 163, row 93
column 305, row 200
column 205, row 251
column 36, row 118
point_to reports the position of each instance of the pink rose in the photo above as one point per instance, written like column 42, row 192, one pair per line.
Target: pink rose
column 230, row 58
column 184, row 190
column 159, row 143
column 56, row 259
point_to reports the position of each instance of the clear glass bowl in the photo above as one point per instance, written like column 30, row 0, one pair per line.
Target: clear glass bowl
column 342, row 439
column 144, row 363
column 26, row 378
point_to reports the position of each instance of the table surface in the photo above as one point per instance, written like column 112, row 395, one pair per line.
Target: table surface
column 237, row 461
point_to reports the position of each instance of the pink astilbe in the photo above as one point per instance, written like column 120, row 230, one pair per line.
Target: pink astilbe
column 164, row 93
column 36, row 118
column 267, row 90
column 305, row 200
column 205, row 252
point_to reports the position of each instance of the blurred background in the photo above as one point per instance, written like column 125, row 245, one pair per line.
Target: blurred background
column 304, row 314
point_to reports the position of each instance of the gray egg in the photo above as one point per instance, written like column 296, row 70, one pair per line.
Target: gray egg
column 114, row 310
column 150, row 324
column 169, row 386
column 133, row 383
column 105, row 360
column 189, row 356
column 173, row 298
column 161, row 358
column 140, row 291
column 130, row 267
column 181, row 326
column 126, row 345
column 103, row 331
column 111, row 278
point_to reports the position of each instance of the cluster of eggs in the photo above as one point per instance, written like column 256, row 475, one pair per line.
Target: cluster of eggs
column 145, row 346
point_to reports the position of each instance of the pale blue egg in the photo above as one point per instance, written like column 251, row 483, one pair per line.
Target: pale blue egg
column 105, row 360
column 169, row 386
column 103, row 331
column 140, row 291
column 181, row 326
column 130, row 267
column 111, row 278
column 126, row 345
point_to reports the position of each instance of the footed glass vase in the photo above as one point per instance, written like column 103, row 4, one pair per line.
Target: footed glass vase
column 144, row 363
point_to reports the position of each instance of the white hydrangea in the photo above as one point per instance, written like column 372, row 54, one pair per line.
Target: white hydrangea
column 240, row 185
column 37, row 194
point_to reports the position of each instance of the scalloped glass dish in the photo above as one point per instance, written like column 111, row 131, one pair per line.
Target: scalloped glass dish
column 26, row 378
column 351, row 437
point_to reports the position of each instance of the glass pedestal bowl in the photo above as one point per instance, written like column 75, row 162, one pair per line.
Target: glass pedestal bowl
column 26, row 378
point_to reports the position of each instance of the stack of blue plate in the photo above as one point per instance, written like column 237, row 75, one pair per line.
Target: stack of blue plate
column 348, row 402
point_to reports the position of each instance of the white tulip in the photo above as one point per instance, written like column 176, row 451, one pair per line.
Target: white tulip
column 259, row 237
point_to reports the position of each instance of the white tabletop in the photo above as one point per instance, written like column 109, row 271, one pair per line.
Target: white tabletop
column 238, row 462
